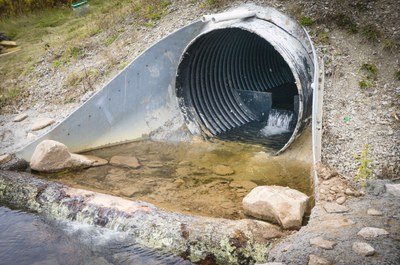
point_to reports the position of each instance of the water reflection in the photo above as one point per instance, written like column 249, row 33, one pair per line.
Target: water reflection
column 32, row 240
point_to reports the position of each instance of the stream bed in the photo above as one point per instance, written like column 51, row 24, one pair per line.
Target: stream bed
column 187, row 177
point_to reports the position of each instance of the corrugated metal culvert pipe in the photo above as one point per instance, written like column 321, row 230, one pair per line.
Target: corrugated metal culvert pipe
column 248, row 79
column 247, row 74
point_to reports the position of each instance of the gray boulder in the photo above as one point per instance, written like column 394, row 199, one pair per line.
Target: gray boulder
column 276, row 204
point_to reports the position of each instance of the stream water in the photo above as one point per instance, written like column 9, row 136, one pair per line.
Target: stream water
column 184, row 177
column 28, row 239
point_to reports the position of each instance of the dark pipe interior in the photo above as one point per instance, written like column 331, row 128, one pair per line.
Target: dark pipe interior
column 230, row 79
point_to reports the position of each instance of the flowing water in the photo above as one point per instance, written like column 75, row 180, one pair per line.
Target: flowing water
column 28, row 239
column 278, row 123
column 186, row 177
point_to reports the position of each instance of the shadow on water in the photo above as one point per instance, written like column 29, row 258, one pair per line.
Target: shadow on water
column 26, row 238
column 184, row 177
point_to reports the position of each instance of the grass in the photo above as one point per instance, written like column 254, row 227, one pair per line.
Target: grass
column 213, row 3
column 370, row 73
column 306, row 21
column 58, row 31
column 371, row 32
column 397, row 75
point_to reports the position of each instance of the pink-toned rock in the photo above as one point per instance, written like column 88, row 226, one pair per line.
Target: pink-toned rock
column 5, row 158
column 276, row 204
column 41, row 124
column 20, row 117
column 52, row 156
column 322, row 243
column 125, row 161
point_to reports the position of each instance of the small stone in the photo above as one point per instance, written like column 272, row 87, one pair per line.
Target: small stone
column 223, row 170
column 155, row 164
column 129, row 191
column 5, row 158
column 185, row 163
column 245, row 184
column 316, row 260
column 183, row 171
column 125, row 161
column 393, row 189
column 179, row 182
column 30, row 136
column 322, row 191
column 20, row 117
column 371, row 232
column 374, row 212
column 349, row 192
column 41, row 124
column 363, row 249
column 341, row 200
column 322, row 243
column 271, row 263
column 325, row 172
column 332, row 207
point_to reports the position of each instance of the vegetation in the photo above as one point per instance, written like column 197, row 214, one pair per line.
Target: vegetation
column 345, row 22
column 306, row 21
column 364, row 171
column 370, row 73
column 397, row 75
column 52, row 30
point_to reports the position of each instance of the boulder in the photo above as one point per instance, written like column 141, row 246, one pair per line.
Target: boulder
column 371, row 232
column 322, row 243
column 52, row 156
column 5, row 158
column 276, row 204
column 332, row 207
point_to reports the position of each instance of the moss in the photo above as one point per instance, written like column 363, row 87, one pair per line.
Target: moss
column 306, row 21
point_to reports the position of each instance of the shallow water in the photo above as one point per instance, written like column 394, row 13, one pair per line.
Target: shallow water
column 181, row 177
column 26, row 238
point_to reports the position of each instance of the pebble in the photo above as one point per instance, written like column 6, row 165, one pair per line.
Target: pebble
column 245, row 184
column 332, row 207
column 125, row 161
column 393, row 189
column 371, row 232
column 43, row 123
column 20, row 117
column 223, row 170
column 322, row 243
column 179, row 182
column 341, row 200
column 364, row 249
column 30, row 136
column 316, row 260
column 5, row 158
column 155, row 164
column 349, row 192
column 374, row 212
column 185, row 163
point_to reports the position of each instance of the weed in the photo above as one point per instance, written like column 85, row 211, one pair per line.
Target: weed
column 73, row 79
column 370, row 72
column 365, row 83
column 389, row 45
column 8, row 96
column 75, row 52
column 149, row 24
column 306, row 21
column 364, row 171
column 110, row 40
column 322, row 37
column 60, row 62
column 213, row 3
column 371, row 32
column 370, row 69
column 346, row 22
column 397, row 75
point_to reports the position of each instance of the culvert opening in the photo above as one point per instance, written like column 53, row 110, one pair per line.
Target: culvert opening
column 234, row 85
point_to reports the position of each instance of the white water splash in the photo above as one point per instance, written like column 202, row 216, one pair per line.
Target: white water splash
column 278, row 122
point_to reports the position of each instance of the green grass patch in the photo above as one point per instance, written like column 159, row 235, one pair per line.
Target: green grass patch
column 108, row 41
column 397, row 75
column 306, row 21
column 370, row 73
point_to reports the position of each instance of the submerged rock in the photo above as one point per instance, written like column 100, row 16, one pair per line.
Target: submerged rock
column 43, row 123
column 276, row 204
column 125, row 161
column 52, row 156
column 223, row 170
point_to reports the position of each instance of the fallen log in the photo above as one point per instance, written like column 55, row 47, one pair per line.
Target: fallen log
column 197, row 238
